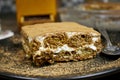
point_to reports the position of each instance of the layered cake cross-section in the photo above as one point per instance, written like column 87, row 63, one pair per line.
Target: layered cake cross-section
column 47, row 43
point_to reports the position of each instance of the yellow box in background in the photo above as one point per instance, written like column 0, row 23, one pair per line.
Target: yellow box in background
column 35, row 11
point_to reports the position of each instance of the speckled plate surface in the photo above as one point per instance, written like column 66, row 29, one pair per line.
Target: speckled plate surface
column 11, row 76
column 13, row 64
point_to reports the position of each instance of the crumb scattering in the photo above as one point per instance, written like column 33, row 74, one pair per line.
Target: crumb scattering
column 13, row 60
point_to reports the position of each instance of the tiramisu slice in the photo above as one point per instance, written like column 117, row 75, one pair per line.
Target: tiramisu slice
column 61, row 41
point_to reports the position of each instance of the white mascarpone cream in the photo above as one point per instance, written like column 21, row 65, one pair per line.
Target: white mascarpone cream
column 70, row 34
column 65, row 47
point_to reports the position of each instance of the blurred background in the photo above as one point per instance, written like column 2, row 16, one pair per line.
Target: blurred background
column 68, row 10
column 7, row 6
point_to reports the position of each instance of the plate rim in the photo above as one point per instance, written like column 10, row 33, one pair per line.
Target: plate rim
column 100, row 74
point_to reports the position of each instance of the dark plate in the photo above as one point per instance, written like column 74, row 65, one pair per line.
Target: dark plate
column 98, row 75
column 13, row 53
column 13, row 45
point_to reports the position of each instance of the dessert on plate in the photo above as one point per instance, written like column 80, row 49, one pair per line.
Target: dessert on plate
column 61, row 41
